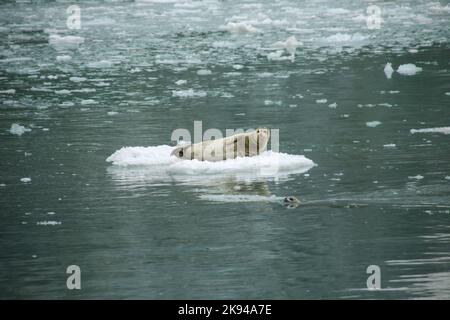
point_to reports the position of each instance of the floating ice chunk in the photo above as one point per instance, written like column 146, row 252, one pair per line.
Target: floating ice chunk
column 373, row 124
column 444, row 130
column 333, row 105
column 51, row 213
column 9, row 91
column 17, row 129
column 240, row 27
column 388, row 70
column 188, row 93
column 64, row 91
column 112, row 113
column 48, row 223
column 418, row 177
column 447, row 93
column 204, row 72
column 345, row 38
column 238, row 66
column 25, row 180
column 77, row 79
column 103, row 64
column 408, row 69
column 2, row 185
column 63, row 57
column 88, row 101
column 447, row 178
column 277, row 56
column 158, row 161
column 180, row 82
column 389, row 145
column 290, row 45
column 321, row 101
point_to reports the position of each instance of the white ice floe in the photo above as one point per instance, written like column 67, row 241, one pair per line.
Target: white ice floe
column 111, row 113
column 189, row 93
column 180, row 82
column 388, row 70
column 240, row 27
column 290, row 45
column 333, row 105
column 158, row 161
column 373, row 124
column 447, row 93
column 389, row 145
column 204, row 72
column 63, row 58
column 417, row 177
column 444, row 130
column 48, row 223
column 408, row 69
column 25, row 180
column 321, row 101
column 8, row 91
column 17, row 129
column 103, row 64
column 77, row 79
column 63, row 91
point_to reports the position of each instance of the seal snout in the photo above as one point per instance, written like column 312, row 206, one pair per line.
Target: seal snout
column 291, row 199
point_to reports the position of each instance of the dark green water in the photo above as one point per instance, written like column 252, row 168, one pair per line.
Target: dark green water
column 135, row 235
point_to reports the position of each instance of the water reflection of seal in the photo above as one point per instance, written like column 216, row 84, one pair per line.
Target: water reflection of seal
column 238, row 145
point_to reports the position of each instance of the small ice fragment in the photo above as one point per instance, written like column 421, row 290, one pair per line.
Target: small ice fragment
column 333, row 105
column 418, row 177
column 373, row 124
column 408, row 69
column 447, row 178
column 51, row 213
column 2, row 185
column 63, row 58
column 9, row 91
column 388, row 70
column 48, row 223
column 64, row 91
column 77, row 79
column 34, row 256
column 18, row 129
column 240, row 27
column 112, row 113
column 238, row 66
column 188, row 93
column 88, row 101
column 25, row 180
column 389, row 145
column 321, row 101
column 444, row 130
column 180, row 82
column 447, row 93
column 204, row 72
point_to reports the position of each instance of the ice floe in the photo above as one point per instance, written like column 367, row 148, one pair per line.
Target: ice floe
column 17, row 129
column 408, row 69
column 373, row 124
column 444, row 130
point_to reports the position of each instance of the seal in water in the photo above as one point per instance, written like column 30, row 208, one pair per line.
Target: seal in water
column 239, row 145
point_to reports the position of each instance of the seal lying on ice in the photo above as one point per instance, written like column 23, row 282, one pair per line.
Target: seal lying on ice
column 238, row 145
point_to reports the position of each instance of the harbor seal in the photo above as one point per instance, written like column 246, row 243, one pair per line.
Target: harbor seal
column 239, row 145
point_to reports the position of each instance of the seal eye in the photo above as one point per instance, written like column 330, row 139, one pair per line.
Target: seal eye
column 257, row 131
column 181, row 153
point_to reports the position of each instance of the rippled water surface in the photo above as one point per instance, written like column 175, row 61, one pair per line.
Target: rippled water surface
column 367, row 156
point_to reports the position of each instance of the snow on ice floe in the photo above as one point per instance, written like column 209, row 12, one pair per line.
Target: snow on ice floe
column 408, row 69
column 17, row 129
column 158, row 159
column 25, row 180
column 444, row 130
column 388, row 70
column 373, row 124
